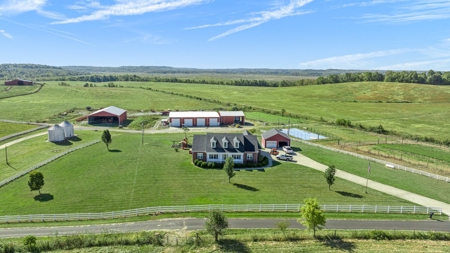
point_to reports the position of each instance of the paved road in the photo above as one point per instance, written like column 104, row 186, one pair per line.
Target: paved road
column 197, row 223
column 399, row 193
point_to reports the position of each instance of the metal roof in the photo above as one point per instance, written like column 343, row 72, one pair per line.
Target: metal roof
column 273, row 132
column 232, row 113
column 112, row 109
column 191, row 114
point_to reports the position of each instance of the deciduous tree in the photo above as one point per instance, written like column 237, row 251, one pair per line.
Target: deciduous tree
column 312, row 217
column 216, row 223
column 106, row 138
column 329, row 176
column 228, row 167
column 36, row 181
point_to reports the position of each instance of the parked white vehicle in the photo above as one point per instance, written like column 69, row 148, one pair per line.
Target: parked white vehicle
column 288, row 150
column 284, row 157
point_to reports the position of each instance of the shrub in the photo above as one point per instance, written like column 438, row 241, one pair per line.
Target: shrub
column 210, row 165
column 260, row 165
column 204, row 164
column 195, row 161
column 249, row 165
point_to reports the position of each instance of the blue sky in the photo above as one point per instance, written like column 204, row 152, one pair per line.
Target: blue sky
column 288, row 34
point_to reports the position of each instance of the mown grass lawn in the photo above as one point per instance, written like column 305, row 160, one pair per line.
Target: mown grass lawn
column 132, row 176
column 422, row 185
column 8, row 91
column 23, row 155
column 7, row 128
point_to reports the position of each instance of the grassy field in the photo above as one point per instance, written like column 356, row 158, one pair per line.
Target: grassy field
column 132, row 176
column 412, row 109
column 54, row 99
column 234, row 240
column 23, row 155
column 415, row 183
column 7, row 128
column 8, row 91
column 416, row 150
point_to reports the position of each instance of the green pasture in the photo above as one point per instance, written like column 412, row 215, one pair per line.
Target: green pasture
column 7, row 128
column 422, row 185
column 416, row 150
column 8, row 91
column 52, row 100
column 25, row 154
column 412, row 109
column 131, row 176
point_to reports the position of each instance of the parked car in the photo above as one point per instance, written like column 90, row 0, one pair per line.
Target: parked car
column 288, row 150
column 284, row 157
column 274, row 151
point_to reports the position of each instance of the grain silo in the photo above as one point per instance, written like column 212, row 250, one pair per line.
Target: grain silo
column 56, row 134
column 68, row 129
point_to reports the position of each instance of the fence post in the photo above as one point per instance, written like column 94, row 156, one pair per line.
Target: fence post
column 376, row 208
column 414, row 209
column 234, row 207
column 389, row 207
column 286, row 208
column 338, row 208
column 362, row 210
column 401, row 209
column 428, row 209
column 259, row 207
column 440, row 210
column 273, row 207
column 350, row 208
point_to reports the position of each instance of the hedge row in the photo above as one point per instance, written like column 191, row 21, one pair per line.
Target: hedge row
column 262, row 162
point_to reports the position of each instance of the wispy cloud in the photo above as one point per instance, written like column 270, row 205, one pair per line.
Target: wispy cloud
column 351, row 60
column 131, row 7
column 149, row 38
column 414, row 10
column 7, row 35
column 371, row 3
column 258, row 18
column 59, row 33
column 14, row 7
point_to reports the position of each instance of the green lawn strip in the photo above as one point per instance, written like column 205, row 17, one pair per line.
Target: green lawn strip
column 135, row 176
column 7, row 128
column 54, row 99
column 416, row 150
column 25, row 154
column 425, row 186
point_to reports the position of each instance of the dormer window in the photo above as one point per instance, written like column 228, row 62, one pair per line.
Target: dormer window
column 213, row 142
column 225, row 142
column 236, row 142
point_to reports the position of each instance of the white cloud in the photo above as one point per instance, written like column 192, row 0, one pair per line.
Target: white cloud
column 14, row 7
column 349, row 61
column 260, row 18
column 7, row 35
column 419, row 65
column 131, row 7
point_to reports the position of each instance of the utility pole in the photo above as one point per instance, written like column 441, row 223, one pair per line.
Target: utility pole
column 142, row 142
column 6, row 154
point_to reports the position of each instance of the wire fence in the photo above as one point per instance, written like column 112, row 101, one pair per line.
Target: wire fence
column 386, row 163
column 34, row 167
column 4, row 138
column 225, row 208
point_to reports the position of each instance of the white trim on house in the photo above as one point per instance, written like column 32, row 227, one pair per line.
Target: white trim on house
column 190, row 114
column 222, row 156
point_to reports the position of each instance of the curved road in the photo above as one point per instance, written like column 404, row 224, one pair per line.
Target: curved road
column 189, row 224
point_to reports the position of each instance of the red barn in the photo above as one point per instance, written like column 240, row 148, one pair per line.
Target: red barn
column 232, row 117
column 274, row 139
column 109, row 115
column 18, row 82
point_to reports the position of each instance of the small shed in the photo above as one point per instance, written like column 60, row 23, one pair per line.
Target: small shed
column 232, row 117
column 275, row 138
column 110, row 115
column 18, row 82
column 68, row 129
column 56, row 133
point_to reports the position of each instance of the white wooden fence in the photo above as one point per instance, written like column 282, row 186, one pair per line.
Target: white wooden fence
column 225, row 208
column 395, row 166
column 37, row 166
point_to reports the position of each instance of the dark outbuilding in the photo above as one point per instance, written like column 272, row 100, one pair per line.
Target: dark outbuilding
column 18, row 82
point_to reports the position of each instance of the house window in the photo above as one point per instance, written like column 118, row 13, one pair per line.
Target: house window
column 213, row 156
column 213, row 144
column 237, row 157
column 236, row 142
column 200, row 156
column 225, row 144
column 250, row 157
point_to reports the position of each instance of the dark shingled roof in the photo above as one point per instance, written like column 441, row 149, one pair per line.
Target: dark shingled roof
column 272, row 132
column 247, row 143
